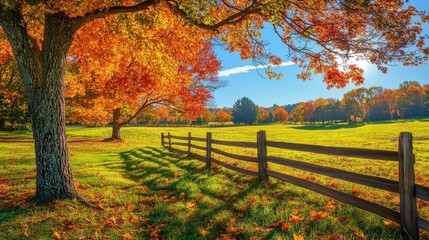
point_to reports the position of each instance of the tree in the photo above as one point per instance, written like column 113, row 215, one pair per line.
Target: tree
column 116, row 78
column 297, row 114
column 41, row 33
column 244, row 111
column 411, row 99
column 280, row 115
column 426, row 88
column 222, row 116
column 263, row 115
column 206, row 117
column 13, row 105
column 357, row 103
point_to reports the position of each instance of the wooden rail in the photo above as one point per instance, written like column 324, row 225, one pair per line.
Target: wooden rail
column 408, row 190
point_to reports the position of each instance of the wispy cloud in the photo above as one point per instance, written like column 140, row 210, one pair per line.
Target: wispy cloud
column 246, row 69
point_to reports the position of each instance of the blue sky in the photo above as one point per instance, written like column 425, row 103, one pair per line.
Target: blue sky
column 265, row 92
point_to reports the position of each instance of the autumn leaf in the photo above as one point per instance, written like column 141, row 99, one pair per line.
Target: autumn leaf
column 360, row 235
column 294, row 219
column 318, row 215
column 182, row 195
column 200, row 197
column 202, row 232
column 154, row 233
column 56, row 235
column 177, row 175
column 143, row 189
column 390, row 223
column 297, row 237
column 128, row 207
column 330, row 205
column 284, row 226
column 190, row 204
column 355, row 190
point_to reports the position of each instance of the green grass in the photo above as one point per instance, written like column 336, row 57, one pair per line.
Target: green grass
column 148, row 192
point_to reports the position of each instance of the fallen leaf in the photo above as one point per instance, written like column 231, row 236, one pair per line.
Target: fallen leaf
column 297, row 237
column 182, row 195
column 128, row 207
column 56, row 235
column 284, row 227
column 318, row 215
column 190, row 204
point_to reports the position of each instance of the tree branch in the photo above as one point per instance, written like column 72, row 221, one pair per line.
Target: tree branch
column 239, row 16
column 114, row 10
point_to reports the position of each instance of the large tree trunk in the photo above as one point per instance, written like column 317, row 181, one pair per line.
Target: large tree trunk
column 54, row 175
column 42, row 72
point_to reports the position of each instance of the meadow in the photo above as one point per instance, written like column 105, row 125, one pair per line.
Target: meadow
column 144, row 191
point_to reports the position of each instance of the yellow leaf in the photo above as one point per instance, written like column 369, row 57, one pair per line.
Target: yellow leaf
column 297, row 237
column 56, row 235
column 190, row 204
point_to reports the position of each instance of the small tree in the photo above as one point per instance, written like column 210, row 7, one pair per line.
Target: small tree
column 244, row 111
column 222, row 116
column 280, row 115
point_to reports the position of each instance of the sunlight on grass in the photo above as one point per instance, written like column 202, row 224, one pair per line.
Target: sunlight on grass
column 148, row 192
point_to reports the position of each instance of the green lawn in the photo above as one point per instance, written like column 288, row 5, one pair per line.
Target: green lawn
column 147, row 192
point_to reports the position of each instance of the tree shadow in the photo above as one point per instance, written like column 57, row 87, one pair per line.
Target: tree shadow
column 153, row 167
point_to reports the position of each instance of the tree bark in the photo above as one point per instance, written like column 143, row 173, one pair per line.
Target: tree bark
column 54, row 176
column 42, row 72
column 116, row 125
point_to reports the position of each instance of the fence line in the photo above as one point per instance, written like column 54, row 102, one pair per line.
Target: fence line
column 408, row 190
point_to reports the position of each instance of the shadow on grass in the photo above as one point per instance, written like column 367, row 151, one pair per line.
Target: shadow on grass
column 329, row 126
column 218, row 193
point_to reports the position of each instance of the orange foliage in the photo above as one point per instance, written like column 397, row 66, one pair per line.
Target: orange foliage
column 281, row 115
column 130, row 67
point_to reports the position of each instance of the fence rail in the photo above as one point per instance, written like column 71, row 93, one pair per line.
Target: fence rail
column 408, row 191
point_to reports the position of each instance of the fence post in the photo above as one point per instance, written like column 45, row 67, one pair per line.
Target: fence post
column 169, row 139
column 262, row 156
column 189, row 142
column 162, row 139
column 209, row 150
column 407, row 188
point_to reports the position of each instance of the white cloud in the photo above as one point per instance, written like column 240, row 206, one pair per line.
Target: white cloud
column 246, row 69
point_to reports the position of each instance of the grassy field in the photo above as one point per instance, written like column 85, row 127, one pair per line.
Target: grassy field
column 147, row 192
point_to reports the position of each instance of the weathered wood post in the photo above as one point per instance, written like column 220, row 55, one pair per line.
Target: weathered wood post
column 189, row 142
column 208, row 150
column 162, row 139
column 407, row 188
column 262, row 156
column 169, row 140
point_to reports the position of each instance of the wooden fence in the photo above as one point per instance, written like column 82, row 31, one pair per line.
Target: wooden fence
column 408, row 190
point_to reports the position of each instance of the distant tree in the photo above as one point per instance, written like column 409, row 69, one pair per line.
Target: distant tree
column 206, row 117
column 223, row 116
column 308, row 111
column 290, row 107
column 357, row 103
column 297, row 114
column 280, row 115
column 426, row 88
column 384, row 106
column 244, row 111
column 411, row 99
column 263, row 115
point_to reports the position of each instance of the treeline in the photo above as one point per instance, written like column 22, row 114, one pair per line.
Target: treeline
column 410, row 100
